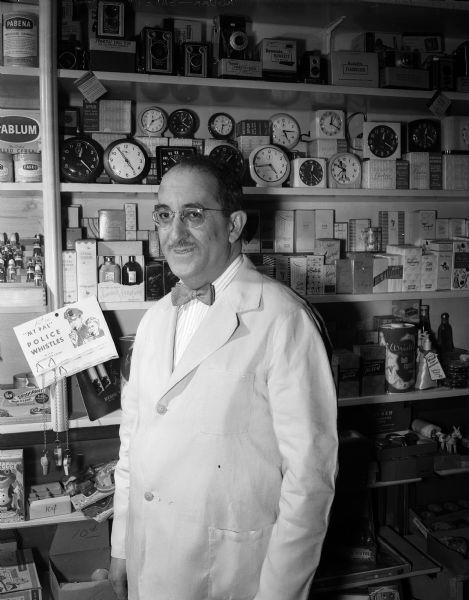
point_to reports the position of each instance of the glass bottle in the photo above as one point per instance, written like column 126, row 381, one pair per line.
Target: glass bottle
column 37, row 248
column 11, row 271
column 38, row 276
column 424, row 322
column 445, row 334
column 132, row 272
column 3, row 276
column 30, row 271
column 109, row 271
column 423, row 381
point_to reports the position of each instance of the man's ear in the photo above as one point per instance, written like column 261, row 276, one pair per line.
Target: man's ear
column 237, row 222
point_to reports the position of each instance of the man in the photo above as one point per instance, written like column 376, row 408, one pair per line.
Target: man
column 77, row 331
column 228, row 437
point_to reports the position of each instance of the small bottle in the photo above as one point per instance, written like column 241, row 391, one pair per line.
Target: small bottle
column 11, row 271
column 18, row 258
column 37, row 248
column 423, row 381
column 132, row 272
column 38, row 275
column 109, row 271
column 30, row 271
column 3, row 276
column 445, row 335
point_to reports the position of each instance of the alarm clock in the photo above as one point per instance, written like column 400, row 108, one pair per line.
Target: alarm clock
column 285, row 131
column 423, row 135
column 126, row 161
column 183, row 123
column 327, row 124
column 152, row 121
column 171, row 155
column 269, row 165
column 344, row 171
column 455, row 134
column 221, row 126
column 229, row 157
column 381, row 140
column 81, row 159
column 308, row 172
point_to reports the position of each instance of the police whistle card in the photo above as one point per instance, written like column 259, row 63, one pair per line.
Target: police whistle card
column 66, row 341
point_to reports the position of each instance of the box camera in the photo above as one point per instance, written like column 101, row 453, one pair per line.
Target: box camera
column 230, row 39
column 115, row 20
column 401, row 58
column 155, row 53
column 312, row 70
column 195, row 59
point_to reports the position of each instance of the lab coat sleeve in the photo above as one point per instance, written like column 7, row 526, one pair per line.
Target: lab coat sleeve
column 129, row 404
column 304, row 411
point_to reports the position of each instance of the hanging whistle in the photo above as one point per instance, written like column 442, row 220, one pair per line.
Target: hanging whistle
column 67, row 461
column 45, row 463
column 58, row 455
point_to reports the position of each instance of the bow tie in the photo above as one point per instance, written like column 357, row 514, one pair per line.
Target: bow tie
column 180, row 294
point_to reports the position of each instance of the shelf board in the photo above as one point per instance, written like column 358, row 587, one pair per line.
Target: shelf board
column 455, row 471
column 437, row 294
column 265, row 192
column 415, row 396
column 73, row 423
column 20, row 72
column 20, row 189
column 70, row 518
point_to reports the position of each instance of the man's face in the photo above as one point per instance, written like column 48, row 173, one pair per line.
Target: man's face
column 196, row 255
column 92, row 327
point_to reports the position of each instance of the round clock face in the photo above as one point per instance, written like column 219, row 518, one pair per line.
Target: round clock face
column 125, row 161
column 153, row 121
column 330, row 123
column 81, row 160
column 269, row 165
column 230, row 158
column 383, row 141
column 183, row 123
column 285, row 130
column 168, row 157
column 424, row 135
column 221, row 126
column 345, row 169
column 311, row 172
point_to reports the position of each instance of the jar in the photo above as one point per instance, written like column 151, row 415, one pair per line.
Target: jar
column 20, row 39
column 28, row 166
column 6, row 167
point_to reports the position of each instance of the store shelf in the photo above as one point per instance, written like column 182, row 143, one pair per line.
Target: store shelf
column 443, row 294
column 20, row 189
column 415, row 396
column 74, row 423
column 22, row 298
column 70, row 518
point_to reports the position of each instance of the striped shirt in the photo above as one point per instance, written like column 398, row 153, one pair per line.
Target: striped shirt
column 191, row 314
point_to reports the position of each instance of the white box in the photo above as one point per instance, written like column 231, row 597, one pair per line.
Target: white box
column 298, row 274
column 392, row 223
column 282, row 269
column 419, row 170
column 73, row 215
column 441, row 229
column 87, row 273
column 325, row 148
column 457, row 227
column 436, row 270
column 356, row 234
column 411, row 265
column 314, row 275
column 115, row 116
column 69, row 270
column 304, row 230
column 420, row 226
column 429, row 272
column 50, row 507
column 455, row 171
column 284, row 227
column 324, row 223
column 329, row 248
column 354, row 68
column 379, row 174
column 130, row 209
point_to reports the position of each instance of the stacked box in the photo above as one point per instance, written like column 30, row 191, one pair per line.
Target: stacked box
column 392, row 223
column 111, row 291
column 411, row 265
column 441, row 229
column 87, row 274
column 314, row 275
column 436, row 271
column 329, row 248
column 355, row 274
column 380, row 279
column 298, row 274
column 305, row 230
column 284, row 227
column 460, row 271
column 420, row 226
column 346, row 371
column 419, row 170
column 356, row 234
column 455, row 171
column 393, row 271
column 12, row 486
column 282, row 269
column 372, row 359
column 69, row 270
column 324, row 223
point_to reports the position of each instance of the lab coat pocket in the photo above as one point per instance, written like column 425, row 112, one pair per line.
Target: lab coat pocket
column 236, row 559
column 226, row 402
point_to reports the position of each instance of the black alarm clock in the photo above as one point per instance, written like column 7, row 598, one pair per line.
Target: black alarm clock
column 81, row 160
column 424, row 135
column 183, row 123
column 381, row 140
column 168, row 156
column 230, row 159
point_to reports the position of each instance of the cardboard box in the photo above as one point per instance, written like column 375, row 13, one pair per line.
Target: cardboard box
column 12, row 486
column 24, row 405
column 20, row 129
column 345, row 368
column 329, row 248
column 77, row 549
column 411, row 265
column 398, row 77
column 284, row 224
column 460, row 270
column 87, row 274
column 298, row 274
column 111, row 224
column 304, row 230
column 278, row 58
column 372, row 359
column 112, row 55
column 354, row 68
column 17, row 569
column 436, row 270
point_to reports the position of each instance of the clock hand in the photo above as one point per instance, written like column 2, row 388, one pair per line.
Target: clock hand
column 268, row 165
column 83, row 163
column 126, row 159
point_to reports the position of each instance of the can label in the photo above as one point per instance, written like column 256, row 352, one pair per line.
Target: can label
column 6, row 168
column 28, row 168
column 400, row 342
column 20, row 40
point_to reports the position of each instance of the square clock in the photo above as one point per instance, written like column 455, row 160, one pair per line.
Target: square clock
column 381, row 140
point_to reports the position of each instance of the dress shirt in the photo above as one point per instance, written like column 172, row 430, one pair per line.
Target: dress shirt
column 191, row 314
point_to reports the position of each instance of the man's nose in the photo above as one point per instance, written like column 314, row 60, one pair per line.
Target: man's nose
column 178, row 225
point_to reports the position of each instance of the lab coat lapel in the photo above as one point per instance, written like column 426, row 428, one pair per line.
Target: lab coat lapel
column 164, row 352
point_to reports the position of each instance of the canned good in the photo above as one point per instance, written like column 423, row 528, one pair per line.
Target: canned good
column 6, row 167
column 28, row 166
column 400, row 342
column 20, row 40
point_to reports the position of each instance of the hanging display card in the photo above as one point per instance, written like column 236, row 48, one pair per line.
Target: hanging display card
column 66, row 341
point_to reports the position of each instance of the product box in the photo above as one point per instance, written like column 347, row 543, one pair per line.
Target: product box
column 154, row 280
column 457, row 227
column 298, row 274
column 329, row 248
column 419, row 170
column 24, row 405
column 76, row 551
column 372, row 359
column 379, row 174
column 284, row 226
column 112, row 55
column 397, row 77
column 356, row 234
column 278, row 58
column 18, row 576
column 72, row 234
column 87, row 275
column 49, row 507
column 329, row 279
column 282, row 269
column 100, row 388
column 247, row 143
column 325, row 148
column 304, row 230
column 115, row 116
column 341, row 233
column 436, row 271
column 358, row 69
column 239, row 69
column 380, row 270
column 110, row 291
column 111, row 224
column 460, row 271
column 12, row 507
column 355, row 274
column 456, row 171
column 314, row 275
column 411, row 265
column 441, row 228
column 20, row 129
column 345, row 369
column 324, row 223
column 420, row 226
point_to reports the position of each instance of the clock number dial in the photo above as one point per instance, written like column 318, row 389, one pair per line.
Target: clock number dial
column 331, row 123
column 221, row 126
column 81, row 160
column 153, row 121
column 423, row 135
column 125, row 161
column 345, row 171
column 285, row 130
column 383, row 141
column 230, row 158
column 183, row 123
column 168, row 157
column 311, row 172
column 269, row 165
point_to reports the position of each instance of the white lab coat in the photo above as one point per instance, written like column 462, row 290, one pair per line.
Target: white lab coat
column 226, row 496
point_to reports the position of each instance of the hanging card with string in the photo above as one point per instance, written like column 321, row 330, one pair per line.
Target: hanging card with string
column 66, row 341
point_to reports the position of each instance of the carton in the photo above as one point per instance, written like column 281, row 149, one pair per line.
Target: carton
column 77, row 549
column 18, row 572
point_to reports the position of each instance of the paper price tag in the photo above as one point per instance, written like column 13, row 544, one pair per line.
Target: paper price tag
column 434, row 367
column 90, row 87
column 439, row 104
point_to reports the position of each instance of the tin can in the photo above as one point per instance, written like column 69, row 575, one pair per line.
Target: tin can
column 400, row 342
column 6, row 167
column 28, row 166
column 126, row 345
column 20, row 40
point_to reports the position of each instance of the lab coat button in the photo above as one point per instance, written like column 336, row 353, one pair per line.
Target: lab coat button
column 148, row 496
column 161, row 409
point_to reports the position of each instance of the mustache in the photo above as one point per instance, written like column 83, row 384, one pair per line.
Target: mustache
column 181, row 243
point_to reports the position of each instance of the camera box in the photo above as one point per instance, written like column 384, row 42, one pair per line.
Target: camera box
column 76, row 551
column 372, row 358
column 112, row 55
column 400, row 77
column 278, row 58
column 24, row 405
column 358, row 69
column 233, row 68
column 18, row 571
column 345, row 368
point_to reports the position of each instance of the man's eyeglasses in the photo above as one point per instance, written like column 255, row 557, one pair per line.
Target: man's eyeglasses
column 193, row 216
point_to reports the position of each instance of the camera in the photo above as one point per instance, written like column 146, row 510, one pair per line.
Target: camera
column 115, row 20
column 312, row 70
column 155, row 51
column 195, row 59
column 402, row 58
column 230, row 39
